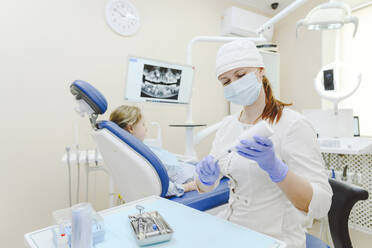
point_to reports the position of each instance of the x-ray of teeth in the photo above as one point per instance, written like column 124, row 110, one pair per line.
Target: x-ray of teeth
column 160, row 82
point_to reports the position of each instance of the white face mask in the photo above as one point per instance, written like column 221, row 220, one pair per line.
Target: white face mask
column 243, row 91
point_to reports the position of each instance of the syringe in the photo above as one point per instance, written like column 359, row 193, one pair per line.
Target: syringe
column 262, row 128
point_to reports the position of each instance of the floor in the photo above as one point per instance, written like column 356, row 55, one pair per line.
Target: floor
column 358, row 239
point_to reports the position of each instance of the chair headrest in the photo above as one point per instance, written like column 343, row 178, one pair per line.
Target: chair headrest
column 89, row 94
column 141, row 149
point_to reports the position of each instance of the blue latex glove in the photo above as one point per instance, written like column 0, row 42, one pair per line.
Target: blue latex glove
column 261, row 150
column 208, row 170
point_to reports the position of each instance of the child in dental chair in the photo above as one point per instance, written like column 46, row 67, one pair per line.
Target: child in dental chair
column 181, row 174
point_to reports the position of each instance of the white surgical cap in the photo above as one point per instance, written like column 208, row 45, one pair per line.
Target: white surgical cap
column 238, row 53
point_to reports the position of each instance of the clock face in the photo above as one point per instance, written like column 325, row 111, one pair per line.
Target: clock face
column 122, row 17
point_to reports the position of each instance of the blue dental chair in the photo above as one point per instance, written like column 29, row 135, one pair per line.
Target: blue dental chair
column 126, row 156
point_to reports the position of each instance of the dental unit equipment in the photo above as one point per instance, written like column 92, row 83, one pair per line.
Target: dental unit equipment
column 118, row 148
column 87, row 176
column 262, row 128
column 344, row 173
column 329, row 16
column 68, row 159
column 78, row 173
column 92, row 161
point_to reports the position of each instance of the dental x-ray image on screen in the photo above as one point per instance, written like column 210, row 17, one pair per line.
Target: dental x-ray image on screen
column 160, row 82
column 156, row 81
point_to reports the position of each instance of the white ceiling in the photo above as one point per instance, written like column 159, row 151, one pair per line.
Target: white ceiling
column 264, row 6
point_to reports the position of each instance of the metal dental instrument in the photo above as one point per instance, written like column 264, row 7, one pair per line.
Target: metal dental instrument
column 78, row 173
column 141, row 222
column 140, row 209
column 96, row 156
column 95, row 174
column 344, row 174
column 68, row 160
column 160, row 226
column 87, row 175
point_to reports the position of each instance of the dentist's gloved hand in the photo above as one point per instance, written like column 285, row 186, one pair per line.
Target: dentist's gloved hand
column 208, row 170
column 261, row 150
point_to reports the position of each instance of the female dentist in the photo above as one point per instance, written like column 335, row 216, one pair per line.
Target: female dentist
column 274, row 183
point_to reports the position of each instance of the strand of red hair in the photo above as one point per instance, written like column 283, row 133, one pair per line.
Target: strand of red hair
column 273, row 107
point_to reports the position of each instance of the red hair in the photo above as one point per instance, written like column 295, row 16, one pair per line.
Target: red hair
column 274, row 108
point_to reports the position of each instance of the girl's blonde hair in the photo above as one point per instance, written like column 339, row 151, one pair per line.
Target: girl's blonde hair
column 125, row 116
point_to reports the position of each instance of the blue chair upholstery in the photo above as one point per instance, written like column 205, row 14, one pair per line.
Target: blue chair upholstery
column 205, row 201
column 85, row 91
column 141, row 149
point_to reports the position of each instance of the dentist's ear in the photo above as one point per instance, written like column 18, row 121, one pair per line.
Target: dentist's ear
column 260, row 73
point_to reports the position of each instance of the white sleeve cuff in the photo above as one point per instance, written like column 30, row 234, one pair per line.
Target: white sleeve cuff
column 320, row 203
column 202, row 188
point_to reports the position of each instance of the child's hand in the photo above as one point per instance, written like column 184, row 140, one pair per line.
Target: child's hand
column 189, row 186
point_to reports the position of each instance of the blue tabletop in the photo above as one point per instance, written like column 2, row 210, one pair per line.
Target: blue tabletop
column 191, row 228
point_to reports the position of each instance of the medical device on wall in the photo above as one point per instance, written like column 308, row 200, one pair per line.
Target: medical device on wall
column 156, row 81
column 92, row 161
column 329, row 16
column 122, row 17
column 356, row 126
column 328, row 80
column 336, row 82
column 241, row 22
column 149, row 227
column 336, row 128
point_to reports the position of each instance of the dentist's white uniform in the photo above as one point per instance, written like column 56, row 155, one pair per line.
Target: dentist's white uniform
column 255, row 201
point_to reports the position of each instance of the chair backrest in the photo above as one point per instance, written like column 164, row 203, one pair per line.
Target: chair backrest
column 344, row 197
column 136, row 170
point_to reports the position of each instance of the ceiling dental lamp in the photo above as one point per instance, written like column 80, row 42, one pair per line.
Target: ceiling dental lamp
column 328, row 16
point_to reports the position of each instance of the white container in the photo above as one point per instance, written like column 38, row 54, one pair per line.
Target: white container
column 81, row 236
column 262, row 128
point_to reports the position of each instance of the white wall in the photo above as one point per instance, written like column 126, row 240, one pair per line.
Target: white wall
column 357, row 52
column 300, row 59
column 45, row 45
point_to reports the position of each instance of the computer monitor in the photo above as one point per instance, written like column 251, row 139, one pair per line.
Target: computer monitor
column 151, row 80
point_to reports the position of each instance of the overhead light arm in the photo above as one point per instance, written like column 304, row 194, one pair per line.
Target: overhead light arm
column 290, row 8
column 354, row 20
